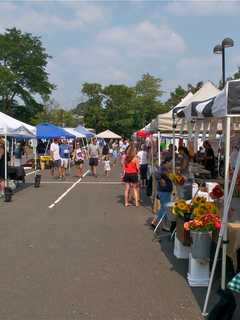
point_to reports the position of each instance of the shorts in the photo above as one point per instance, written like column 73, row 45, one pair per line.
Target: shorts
column 130, row 178
column 57, row 163
column 64, row 163
column 93, row 162
column 78, row 162
column 143, row 171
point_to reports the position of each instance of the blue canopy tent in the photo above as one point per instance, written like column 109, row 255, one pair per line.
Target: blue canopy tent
column 84, row 131
column 48, row 131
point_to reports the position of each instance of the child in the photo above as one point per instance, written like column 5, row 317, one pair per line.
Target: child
column 107, row 166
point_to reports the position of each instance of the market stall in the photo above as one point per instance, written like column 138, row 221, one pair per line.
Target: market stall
column 50, row 131
column 10, row 127
column 108, row 134
column 88, row 134
column 225, row 106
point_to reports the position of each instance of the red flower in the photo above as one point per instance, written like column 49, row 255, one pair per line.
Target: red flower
column 217, row 192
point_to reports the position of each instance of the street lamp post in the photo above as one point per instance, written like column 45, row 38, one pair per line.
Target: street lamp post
column 220, row 49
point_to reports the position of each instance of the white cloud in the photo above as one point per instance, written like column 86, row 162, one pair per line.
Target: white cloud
column 204, row 7
column 28, row 17
column 143, row 39
column 91, row 56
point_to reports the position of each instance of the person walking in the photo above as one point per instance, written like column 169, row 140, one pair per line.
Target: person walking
column 79, row 157
column 143, row 162
column 94, row 153
column 55, row 155
column 105, row 151
column 130, row 170
column 64, row 150
column 164, row 190
column 107, row 165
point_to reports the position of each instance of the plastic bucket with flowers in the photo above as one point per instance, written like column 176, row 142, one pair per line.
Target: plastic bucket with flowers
column 201, row 229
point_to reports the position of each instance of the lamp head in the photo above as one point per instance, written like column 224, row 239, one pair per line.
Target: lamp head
column 218, row 49
column 227, row 43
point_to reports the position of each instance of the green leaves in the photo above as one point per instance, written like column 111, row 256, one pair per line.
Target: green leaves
column 23, row 62
column 121, row 108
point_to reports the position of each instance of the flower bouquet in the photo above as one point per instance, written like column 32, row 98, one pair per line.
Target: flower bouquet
column 217, row 192
column 181, row 208
column 177, row 179
column 203, row 208
column 207, row 222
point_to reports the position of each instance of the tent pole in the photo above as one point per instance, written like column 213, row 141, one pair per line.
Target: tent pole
column 12, row 152
column 35, row 154
column 159, row 149
column 174, row 143
column 227, row 203
column 226, row 187
column 69, row 160
column 46, row 147
column 5, row 156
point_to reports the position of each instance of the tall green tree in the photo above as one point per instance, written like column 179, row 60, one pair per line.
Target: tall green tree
column 23, row 61
column 147, row 103
column 175, row 97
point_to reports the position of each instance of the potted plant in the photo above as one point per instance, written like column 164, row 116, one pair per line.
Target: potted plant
column 201, row 229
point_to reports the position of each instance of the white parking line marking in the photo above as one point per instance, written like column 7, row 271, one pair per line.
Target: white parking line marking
column 28, row 174
column 67, row 191
column 101, row 182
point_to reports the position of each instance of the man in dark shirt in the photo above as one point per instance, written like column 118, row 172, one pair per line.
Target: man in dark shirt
column 209, row 158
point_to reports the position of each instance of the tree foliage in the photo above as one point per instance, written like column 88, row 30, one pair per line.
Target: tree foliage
column 121, row 108
column 53, row 113
column 23, row 74
column 176, row 96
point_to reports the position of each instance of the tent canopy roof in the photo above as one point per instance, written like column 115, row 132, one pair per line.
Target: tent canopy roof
column 9, row 125
column 75, row 133
column 108, row 134
column 84, row 131
column 221, row 104
column 164, row 121
column 48, row 131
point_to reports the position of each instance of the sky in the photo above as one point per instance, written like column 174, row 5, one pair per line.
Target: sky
column 116, row 42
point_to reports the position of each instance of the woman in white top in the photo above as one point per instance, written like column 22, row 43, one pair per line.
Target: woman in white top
column 143, row 162
column 78, row 157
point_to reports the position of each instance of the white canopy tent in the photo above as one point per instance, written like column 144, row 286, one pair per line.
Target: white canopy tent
column 75, row 133
column 8, row 123
column 13, row 128
column 225, row 105
column 164, row 121
column 108, row 134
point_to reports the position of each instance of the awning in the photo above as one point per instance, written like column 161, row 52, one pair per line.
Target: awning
column 84, row 131
column 226, row 102
column 48, row 131
column 108, row 134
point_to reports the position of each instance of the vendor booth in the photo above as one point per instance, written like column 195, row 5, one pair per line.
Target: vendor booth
column 108, row 134
column 207, row 113
column 10, row 127
column 88, row 134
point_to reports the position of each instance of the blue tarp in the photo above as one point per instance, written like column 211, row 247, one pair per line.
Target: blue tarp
column 84, row 131
column 48, row 130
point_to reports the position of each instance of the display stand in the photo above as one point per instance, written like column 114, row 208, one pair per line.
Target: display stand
column 181, row 251
column 198, row 272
